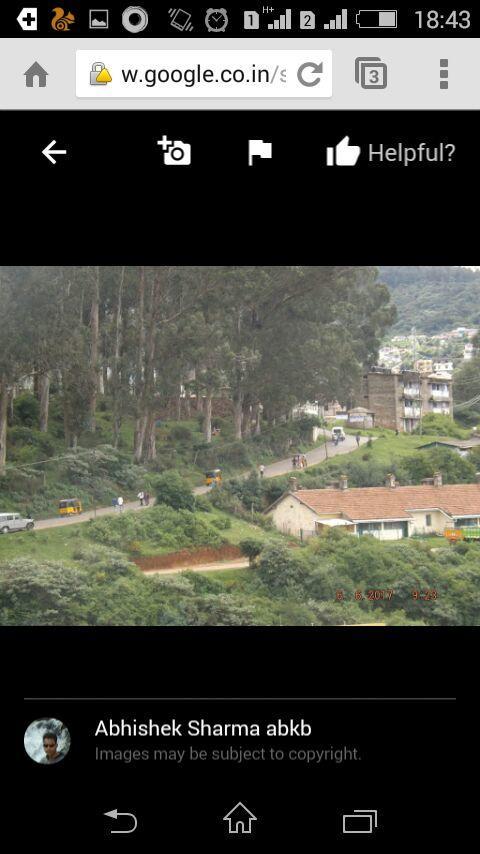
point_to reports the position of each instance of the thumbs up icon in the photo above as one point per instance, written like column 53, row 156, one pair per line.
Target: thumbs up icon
column 344, row 154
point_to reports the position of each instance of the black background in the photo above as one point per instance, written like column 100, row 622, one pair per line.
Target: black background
column 110, row 201
column 403, row 771
column 112, row 194
column 159, row 21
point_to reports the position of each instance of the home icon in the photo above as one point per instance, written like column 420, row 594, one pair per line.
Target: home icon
column 239, row 819
column 37, row 71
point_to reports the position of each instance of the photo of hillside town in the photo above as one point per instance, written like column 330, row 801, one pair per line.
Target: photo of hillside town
column 240, row 446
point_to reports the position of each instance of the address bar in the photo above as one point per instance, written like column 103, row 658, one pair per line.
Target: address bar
column 204, row 73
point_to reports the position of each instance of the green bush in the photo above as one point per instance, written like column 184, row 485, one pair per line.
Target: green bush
column 440, row 425
column 280, row 571
column 220, row 423
column 45, row 594
column 223, row 524
column 454, row 468
column 248, row 490
column 203, row 503
column 26, row 410
column 180, row 434
column 225, row 500
column 22, row 438
column 173, row 490
column 162, row 525
column 236, row 454
column 251, row 548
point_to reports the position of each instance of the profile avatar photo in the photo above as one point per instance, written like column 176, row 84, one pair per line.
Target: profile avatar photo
column 47, row 741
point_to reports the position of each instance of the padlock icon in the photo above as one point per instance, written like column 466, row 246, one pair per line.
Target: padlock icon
column 99, row 75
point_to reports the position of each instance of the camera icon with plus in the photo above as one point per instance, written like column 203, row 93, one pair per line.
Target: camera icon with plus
column 175, row 152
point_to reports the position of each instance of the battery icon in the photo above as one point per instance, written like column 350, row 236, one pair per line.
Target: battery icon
column 377, row 19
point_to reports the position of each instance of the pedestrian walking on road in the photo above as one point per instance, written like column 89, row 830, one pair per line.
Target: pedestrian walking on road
column 146, row 498
column 262, row 470
column 120, row 503
column 304, row 461
column 141, row 498
column 357, row 439
column 114, row 503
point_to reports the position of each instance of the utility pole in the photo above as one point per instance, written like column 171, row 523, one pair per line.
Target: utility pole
column 414, row 346
column 94, row 491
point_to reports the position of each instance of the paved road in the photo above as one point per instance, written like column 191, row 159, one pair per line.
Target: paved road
column 318, row 455
column 62, row 521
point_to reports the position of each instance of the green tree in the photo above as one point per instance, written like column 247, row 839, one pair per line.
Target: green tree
column 173, row 490
column 251, row 548
column 42, row 594
column 280, row 571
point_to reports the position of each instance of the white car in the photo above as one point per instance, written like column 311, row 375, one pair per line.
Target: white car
column 338, row 433
column 14, row 522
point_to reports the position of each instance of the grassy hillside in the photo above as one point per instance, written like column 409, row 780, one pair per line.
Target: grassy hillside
column 40, row 470
column 67, row 578
column 157, row 531
column 433, row 299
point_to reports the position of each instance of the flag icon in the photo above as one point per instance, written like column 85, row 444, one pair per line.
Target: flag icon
column 259, row 148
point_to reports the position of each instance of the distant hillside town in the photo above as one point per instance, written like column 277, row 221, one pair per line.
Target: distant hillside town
column 439, row 353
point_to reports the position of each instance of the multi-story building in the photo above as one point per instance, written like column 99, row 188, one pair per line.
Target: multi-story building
column 445, row 366
column 401, row 400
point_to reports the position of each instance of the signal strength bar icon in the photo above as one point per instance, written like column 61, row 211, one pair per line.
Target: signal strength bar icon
column 339, row 22
column 284, row 22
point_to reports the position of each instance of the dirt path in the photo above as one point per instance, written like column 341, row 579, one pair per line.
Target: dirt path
column 318, row 455
column 242, row 563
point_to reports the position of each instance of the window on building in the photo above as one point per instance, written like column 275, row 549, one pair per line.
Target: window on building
column 369, row 527
column 428, row 520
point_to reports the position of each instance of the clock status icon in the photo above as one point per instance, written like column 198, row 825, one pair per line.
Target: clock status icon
column 216, row 20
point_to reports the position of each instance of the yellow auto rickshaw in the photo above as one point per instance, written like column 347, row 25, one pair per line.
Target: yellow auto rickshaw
column 67, row 506
column 213, row 477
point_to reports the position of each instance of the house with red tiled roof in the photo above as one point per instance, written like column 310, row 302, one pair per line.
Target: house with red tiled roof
column 389, row 512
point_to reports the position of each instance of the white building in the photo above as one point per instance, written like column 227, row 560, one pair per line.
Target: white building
column 443, row 367
column 387, row 513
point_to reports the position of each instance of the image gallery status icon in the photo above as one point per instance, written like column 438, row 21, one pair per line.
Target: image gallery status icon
column 99, row 75
column 98, row 19
column 62, row 21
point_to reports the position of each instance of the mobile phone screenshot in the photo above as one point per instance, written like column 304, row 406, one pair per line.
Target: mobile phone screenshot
column 240, row 422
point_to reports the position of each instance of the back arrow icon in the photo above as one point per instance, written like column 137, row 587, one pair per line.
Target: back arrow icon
column 116, row 814
column 48, row 151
